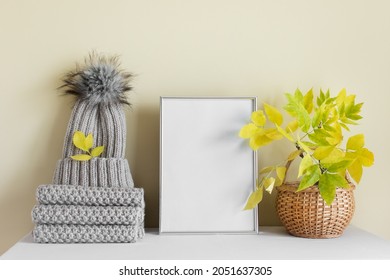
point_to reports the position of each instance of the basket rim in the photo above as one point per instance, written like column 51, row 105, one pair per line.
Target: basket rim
column 292, row 186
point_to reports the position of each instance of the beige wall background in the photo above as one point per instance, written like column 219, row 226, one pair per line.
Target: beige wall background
column 182, row 48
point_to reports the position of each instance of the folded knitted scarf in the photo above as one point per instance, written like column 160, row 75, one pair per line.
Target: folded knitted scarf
column 93, row 196
column 47, row 233
column 88, row 215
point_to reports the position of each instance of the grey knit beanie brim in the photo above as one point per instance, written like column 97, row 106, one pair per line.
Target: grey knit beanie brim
column 102, row 172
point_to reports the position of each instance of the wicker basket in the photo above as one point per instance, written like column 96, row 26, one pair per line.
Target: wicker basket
column 305, row 213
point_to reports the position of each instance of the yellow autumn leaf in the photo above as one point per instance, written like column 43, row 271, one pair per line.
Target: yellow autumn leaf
column 258, row 118
column 97, row 151
column 284, row 133
column 341, row 97
column 292, row 126
column 81, row 157
column 349, row 101
column 335, row 156
column 356, row 171
column 336, row 134
column 322, row 152
column 254, row 199
column 88, row 142
column 355, row 142
column 294, row 155
column 259, row 140
column 79, row 141
column 273, row 134
column 306, row 162
column 273, row 114
column 247, row 131
column 366, row 157
column 269, row 184
column 308, row 101
column 267, row 169
column 281, row 174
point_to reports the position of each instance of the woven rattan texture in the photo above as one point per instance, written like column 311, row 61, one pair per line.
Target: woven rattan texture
column 305, row 213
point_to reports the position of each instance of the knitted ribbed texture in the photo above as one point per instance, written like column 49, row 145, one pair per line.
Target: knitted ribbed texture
column 87, row 215
column 107, row 124
column 97, row 172
column 90, row 196
column 87, row 234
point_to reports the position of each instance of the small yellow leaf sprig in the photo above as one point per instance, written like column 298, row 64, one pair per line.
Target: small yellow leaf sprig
column 85, row 144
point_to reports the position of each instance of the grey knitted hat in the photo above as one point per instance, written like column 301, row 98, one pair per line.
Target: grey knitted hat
column 93, row 200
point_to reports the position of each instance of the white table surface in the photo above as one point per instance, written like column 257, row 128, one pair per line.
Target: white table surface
column 270, row 243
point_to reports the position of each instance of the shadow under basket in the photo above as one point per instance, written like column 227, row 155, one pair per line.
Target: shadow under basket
column 305, row 213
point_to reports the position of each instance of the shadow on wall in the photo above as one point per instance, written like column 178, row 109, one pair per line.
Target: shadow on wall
column 38, row 167
column 144, row 129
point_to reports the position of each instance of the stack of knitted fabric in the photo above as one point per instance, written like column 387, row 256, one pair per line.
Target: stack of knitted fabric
column 92, row 199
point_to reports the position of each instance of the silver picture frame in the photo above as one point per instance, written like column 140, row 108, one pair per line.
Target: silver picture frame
column 206, row 171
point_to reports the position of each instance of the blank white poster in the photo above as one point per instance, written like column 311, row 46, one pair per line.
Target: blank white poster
column 207, row 171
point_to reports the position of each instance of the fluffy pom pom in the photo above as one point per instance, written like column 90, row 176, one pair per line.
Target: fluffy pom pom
column 98, row 81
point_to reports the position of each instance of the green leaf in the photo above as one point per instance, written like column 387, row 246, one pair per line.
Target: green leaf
column 349, row 111
column 281, row 174
column 298, row 95
column 330, row 129
column 322, row 152
column 89, row 141
column 321, row 98
column 306, row 162
column 327, row 188
column 81, row 157
column 258, row 118
column 349, row 102
column 79, row 141
column 346, row 121
column 311, row 177
column 355, row 142
column 97, row 151
column 273, row 114
column 339, row 181
column 317, row 116
column 308, row 101
column 254, row 199
column 327, row 185
column 344, row 126
column 310, row 145
column 247, row 131
column 304, row 147
column 318, row 138
column 296, row 109
column 339, row 166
